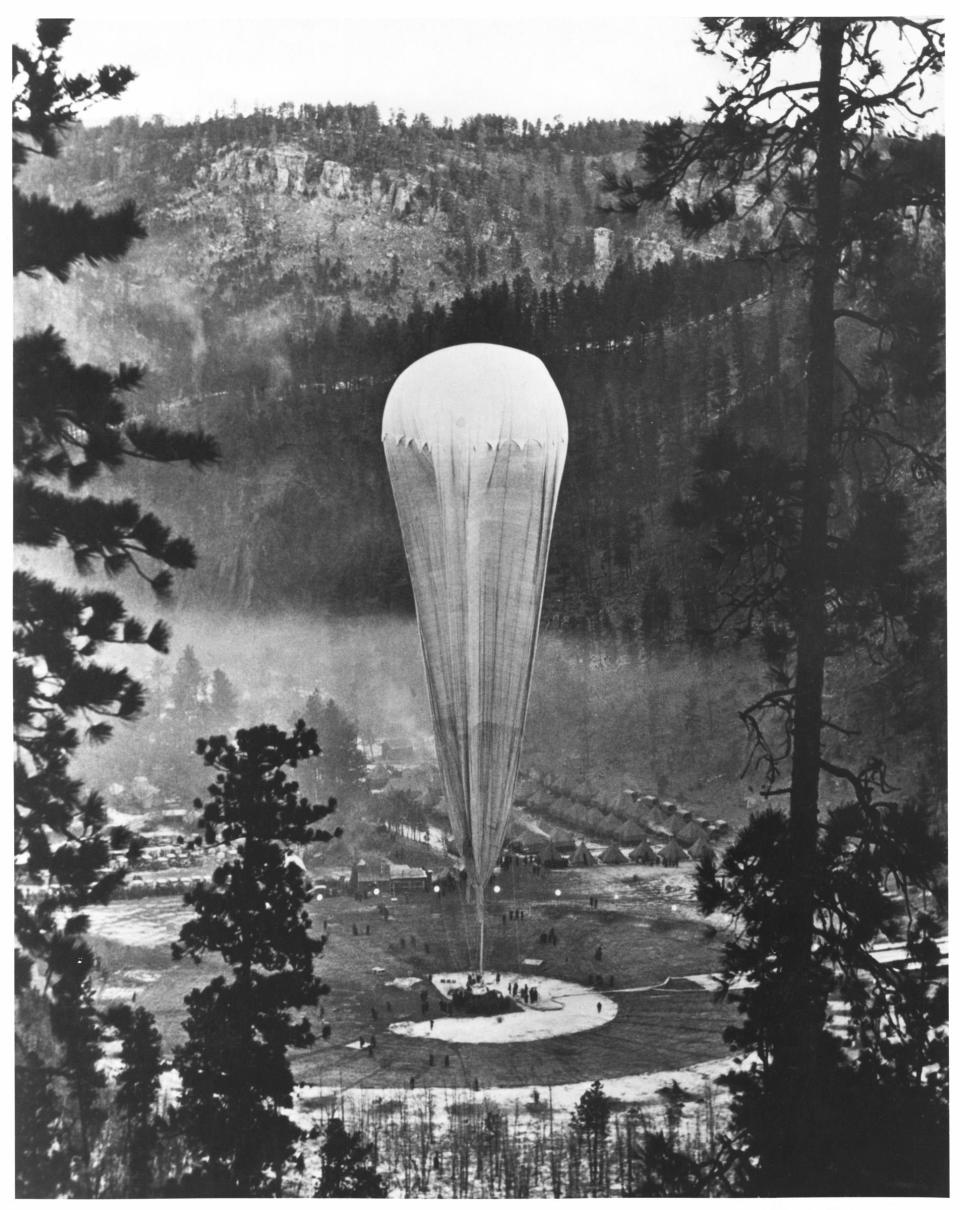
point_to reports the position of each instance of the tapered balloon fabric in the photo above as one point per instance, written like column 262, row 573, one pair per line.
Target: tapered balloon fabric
column 475, row 438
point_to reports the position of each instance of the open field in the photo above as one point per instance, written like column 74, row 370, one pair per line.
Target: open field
column 645, row 921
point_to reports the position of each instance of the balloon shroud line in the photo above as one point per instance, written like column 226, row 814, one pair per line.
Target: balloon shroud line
column 475, row 439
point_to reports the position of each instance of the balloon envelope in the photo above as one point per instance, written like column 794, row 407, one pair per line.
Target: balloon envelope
column 475, row 438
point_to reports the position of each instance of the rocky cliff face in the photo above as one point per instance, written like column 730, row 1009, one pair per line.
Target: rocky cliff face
column 252, row 243
column 278, row 232
column 294, row 172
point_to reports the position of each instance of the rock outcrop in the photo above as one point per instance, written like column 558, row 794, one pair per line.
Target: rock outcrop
column 602, row 249
column 335, row 180
column 295, row 172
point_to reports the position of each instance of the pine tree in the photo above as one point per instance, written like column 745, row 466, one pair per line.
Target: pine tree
column 224, row 703
column 187, row 688
column 817, row 150
column 136, row 1120
column 591, row 1123
column 42, row 1163
column 70, row 425
column 349, row 1165
column 183, row 710
column 341, row 766
column 234, row 1067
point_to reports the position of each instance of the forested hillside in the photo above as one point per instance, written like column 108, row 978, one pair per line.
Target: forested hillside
column 297, row 261
column 249, row 304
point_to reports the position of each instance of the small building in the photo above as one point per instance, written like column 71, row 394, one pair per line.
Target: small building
column 386, row 876
column 397, row 752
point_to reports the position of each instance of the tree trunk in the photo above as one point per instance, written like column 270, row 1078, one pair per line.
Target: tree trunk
column 798, row 1051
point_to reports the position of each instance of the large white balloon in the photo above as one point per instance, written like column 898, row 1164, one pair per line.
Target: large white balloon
column 475, row 438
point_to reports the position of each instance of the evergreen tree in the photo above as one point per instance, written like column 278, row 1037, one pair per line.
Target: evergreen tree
column 224, row 703
column 184, row 712
column 591, row 1123
column 341, row 766
column 349, row 1165
column 70, row 425
column 136, row 1123
column 234, row 1067
column 818, row 148
column 41, row 1162
column 881, row 1126
column 187, row 687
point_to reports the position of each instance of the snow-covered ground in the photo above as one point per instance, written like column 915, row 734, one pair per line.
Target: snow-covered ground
column 405, row 1121
column 143, row 922
column 411, row 1125
column 641, row 1090
column 561, row 1008
column 404, row 982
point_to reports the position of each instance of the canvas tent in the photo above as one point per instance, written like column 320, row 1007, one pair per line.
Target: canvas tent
column 582, row 856
column 690, row 834
column 643, row 854
column 672, row 854
column 612, row 856
column 551, row 857
column 631, row 832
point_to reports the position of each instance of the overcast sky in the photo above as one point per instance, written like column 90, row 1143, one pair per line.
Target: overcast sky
column 445, row 66
column 526, row 59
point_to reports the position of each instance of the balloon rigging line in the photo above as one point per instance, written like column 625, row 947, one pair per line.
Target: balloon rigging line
column 475, row 439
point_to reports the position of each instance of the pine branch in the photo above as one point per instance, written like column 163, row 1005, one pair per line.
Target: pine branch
column 48, row 238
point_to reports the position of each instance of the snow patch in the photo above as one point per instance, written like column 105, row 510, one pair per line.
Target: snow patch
column 404, row 982
column 560, row 1008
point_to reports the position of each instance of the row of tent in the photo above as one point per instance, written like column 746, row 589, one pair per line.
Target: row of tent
column 670, row 854
column 553, row 794
column 583, row 805
column 646, row 820
column 633, row 819
column 528, row 839
column 633, row 833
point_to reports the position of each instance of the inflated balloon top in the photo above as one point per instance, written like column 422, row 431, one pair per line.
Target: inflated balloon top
column 475, row 439
column 472, row 394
